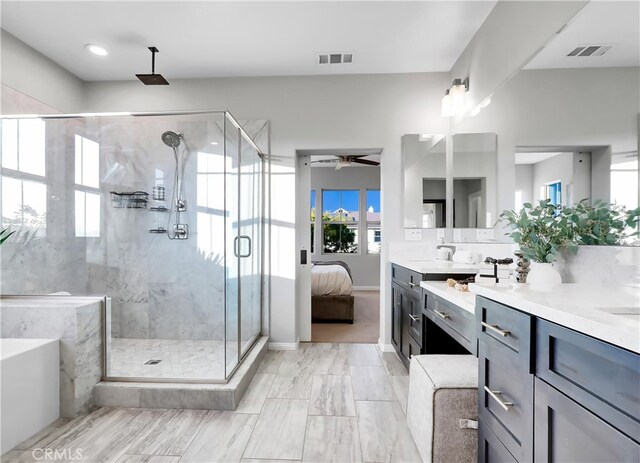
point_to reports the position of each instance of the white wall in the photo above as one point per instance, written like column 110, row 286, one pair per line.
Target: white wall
column 524, row 183
column 365, row 267
column 24, row 69
column 556, row 169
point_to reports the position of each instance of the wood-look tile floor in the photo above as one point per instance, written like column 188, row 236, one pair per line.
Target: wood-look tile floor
column 321, row 403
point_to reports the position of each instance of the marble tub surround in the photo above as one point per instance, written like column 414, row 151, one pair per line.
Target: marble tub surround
column 465, row 300
column 76, row 322
column 610, row 313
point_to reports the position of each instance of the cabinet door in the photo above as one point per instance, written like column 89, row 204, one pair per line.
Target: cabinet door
column 414, row 318
column 396, row 316
column 567, row 432
column 490, row 449
column 405, row 338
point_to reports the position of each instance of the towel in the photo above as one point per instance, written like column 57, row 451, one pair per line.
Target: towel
column 466, row 257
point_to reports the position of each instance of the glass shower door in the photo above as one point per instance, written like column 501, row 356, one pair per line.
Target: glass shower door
column 250, row 245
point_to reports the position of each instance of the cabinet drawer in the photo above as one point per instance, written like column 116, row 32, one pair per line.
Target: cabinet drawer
column 504, row 326
column 505, row 399
column 565, row 431
column 603, row 378
column 457, row 322
column 490, row 449
column 407, row 278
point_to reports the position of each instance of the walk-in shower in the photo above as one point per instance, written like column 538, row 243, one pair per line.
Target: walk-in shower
column 93, row 199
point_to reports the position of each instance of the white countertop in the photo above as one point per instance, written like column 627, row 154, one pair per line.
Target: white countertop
column 608, row 313
column 464, row 300
column 436, row 266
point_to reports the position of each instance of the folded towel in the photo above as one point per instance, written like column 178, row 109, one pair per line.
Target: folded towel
column 466, row 257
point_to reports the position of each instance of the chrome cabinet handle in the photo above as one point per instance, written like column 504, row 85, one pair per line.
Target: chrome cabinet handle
column 413, row 285
column 496, row 329
column 414, row 318
column 442, row 315
column 494, row 396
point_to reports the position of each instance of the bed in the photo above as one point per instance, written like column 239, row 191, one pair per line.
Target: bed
column 331, row 288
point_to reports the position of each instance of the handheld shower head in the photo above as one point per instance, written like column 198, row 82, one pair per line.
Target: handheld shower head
column 171, row 139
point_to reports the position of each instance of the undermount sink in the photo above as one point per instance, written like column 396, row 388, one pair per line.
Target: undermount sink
column 629, row 312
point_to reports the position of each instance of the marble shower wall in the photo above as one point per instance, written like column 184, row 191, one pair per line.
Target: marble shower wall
column 160, row 288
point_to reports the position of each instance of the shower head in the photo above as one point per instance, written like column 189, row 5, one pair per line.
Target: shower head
column 171, row 139
column 153, row 78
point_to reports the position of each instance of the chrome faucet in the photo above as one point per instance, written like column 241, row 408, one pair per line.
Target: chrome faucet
column 452, row 250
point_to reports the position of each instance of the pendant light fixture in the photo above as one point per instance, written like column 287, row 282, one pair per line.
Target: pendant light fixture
column 153, row 78
column 454, row 100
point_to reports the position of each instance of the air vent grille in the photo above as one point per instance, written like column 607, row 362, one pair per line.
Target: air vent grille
column 590, row 50
column 335, row 58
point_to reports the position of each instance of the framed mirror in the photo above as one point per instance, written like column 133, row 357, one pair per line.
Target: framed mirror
column 424, row 159
column 474, row 180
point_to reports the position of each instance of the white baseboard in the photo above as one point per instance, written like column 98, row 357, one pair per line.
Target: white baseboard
column 366, row 288
column 284, row 345
column 386, row 347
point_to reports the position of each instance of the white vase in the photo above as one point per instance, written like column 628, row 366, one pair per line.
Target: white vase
column 543, row 277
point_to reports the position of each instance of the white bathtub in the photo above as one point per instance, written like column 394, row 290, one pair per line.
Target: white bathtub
column 30, row 388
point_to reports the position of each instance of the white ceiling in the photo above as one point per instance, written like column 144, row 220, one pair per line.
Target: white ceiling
column 212, row 39
column 599, row 23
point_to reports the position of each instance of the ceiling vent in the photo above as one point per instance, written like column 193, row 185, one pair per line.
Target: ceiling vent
column 590, row 50
column 335, row 58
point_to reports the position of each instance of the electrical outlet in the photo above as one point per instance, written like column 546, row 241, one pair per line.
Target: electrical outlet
column 412, row 234
column 440, row 234
column 457, row 235
column 484, row 234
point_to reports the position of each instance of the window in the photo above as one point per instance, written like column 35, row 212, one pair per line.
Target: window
column 87, row 192
column 23, row 145
column 24, row 191
column 553, row 191
column 373, row 222
column 312, row 218
column 624, row 184
column 340, row 221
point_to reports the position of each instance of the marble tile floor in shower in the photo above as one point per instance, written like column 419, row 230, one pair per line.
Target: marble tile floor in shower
column 181, row 359
column 321, row 403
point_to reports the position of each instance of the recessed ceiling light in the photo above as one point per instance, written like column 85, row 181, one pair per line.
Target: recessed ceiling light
column 96, row 49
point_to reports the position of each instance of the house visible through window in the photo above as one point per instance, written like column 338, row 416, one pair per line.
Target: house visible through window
column 87, row 192
column 24, row 190
column 340, row 219
column 373, row 222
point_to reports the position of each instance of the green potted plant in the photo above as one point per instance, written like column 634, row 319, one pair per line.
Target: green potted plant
column 541, row 232
column 605, row 224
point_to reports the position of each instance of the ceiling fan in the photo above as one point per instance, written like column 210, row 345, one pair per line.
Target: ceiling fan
column 344, row 160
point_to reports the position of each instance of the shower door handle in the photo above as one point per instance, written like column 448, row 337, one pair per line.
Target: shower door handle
column 236, row 243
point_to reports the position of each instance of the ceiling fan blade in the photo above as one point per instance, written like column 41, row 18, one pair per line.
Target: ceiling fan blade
column 365, row 161
column 342, row 163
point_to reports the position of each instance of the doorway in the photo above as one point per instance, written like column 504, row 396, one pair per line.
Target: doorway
column 338, row 230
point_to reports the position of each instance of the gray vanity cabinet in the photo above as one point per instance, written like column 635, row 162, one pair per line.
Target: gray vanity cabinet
column 406, row 320
column 566, row 432
column 550, row 394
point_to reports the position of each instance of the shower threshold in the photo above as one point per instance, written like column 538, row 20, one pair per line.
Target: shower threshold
column 183, row 395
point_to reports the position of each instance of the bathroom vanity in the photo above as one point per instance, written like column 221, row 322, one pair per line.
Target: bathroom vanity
column 559, row 373
column 411, row 332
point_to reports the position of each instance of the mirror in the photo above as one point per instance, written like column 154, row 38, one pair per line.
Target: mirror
column 474, row 180
column 473, row 176
column 424, row 158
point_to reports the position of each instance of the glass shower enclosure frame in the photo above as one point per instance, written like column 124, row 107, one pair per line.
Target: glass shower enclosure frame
column 232, row 193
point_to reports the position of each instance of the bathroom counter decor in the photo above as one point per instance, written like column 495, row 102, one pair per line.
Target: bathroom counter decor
column 608, row 313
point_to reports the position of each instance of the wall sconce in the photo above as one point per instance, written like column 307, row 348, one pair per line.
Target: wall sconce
column 453, row 102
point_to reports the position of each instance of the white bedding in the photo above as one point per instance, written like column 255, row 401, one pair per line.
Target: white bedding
column 330, row 280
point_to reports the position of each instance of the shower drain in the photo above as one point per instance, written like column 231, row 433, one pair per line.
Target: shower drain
column 152, row 362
